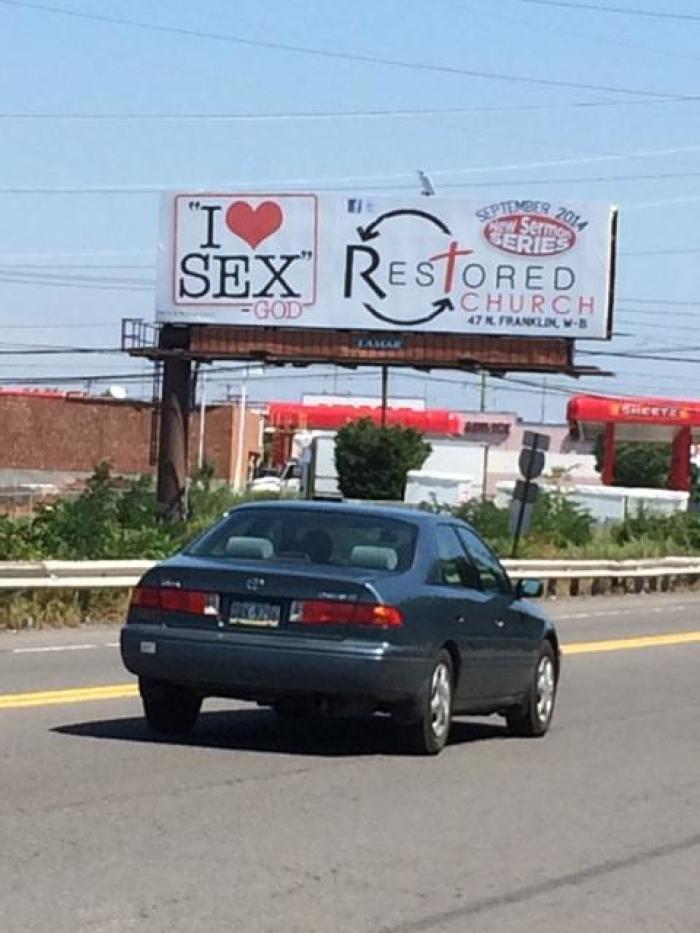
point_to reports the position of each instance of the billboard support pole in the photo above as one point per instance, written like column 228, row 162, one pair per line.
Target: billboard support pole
column 171, row 487
column 385, row 393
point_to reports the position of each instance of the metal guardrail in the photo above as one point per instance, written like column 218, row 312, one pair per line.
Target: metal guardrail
column 561, row 577
column 601, row 569
column 71, row 575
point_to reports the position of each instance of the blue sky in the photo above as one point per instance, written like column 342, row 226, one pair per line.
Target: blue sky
column 78, row 197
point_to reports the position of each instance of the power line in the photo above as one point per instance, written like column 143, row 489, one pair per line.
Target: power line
column 59, row 351
column 568, row 181
column 629, row 355
column 58, row 267
column 327, row 53
column 656, row 14
column 557, row 27
column 39, row 276
column 17, row 257
column 502, row 383
column 664, row 202
column 662, row 301
column 660, row 252
column 61, row 327
column 47, row 283
column 399, row 112
column 338, row 183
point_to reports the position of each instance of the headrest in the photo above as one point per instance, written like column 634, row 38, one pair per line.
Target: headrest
column 375, row 558
column 253, row 548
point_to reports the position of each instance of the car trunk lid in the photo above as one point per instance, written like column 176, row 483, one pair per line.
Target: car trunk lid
column 277, row 599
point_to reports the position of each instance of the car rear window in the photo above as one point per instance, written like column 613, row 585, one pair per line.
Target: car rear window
column 311, row 537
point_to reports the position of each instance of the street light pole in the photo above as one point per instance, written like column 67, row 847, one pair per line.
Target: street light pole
column 202, row 416
column 242, row 407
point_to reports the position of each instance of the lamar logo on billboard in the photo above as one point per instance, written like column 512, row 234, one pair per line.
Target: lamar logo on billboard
column 257, row 254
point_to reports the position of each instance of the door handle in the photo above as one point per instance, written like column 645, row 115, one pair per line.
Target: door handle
column 499, row 623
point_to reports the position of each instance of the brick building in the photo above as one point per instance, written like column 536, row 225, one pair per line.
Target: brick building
column 55, row 437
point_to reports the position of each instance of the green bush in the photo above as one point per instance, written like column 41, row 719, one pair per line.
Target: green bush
column 112, row 520
column 489, row 520
column 678, row 531
column 644, row 465
column 559, row 523
column 372, row 461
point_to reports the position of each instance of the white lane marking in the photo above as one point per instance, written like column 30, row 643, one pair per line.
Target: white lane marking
column 45, row 648
column 53, row 648
column 606, row 613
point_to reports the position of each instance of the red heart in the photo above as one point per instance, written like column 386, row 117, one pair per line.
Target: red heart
column 254, row 224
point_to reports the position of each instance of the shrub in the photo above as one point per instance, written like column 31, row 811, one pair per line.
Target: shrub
column 112, row 520
column 559, row 522
column 489, row 520
column 372, row 461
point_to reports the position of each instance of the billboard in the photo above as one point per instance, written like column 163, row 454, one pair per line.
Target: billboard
column 520, row 267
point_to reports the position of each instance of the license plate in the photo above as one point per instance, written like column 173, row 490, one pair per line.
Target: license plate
column 249, row 612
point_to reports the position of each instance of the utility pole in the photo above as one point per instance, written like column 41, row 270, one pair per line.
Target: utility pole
column 202, row 416
column 242, row 409
column 543, row 410
column 385, row 393
column 482, row 393
column 171, row 489
column 174, row 428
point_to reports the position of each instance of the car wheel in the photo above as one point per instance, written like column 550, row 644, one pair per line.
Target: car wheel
column 534, row 716
column 429, row 733
column 169, row 709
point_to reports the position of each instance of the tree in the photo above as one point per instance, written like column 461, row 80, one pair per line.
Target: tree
column 643, row 465
column 372, row 461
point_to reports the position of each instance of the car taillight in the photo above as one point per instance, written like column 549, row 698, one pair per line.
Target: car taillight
column 173, row 599
column 146, row 597
column 339, row 612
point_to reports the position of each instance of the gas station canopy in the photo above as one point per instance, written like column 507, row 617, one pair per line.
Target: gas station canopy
column 635, row 419
column 656, row 420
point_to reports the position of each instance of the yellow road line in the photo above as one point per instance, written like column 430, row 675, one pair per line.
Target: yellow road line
column 624, row 644
column 71, row 695
column 128, row 691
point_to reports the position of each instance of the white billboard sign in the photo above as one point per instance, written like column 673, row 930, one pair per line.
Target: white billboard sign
column 513, row 268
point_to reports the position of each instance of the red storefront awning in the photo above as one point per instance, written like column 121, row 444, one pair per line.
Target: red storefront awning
column 290, row 415
column 664, row 412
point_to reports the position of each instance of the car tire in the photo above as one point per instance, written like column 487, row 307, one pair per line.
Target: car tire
column 169, row 709
column 534, row 716
column 429, row 733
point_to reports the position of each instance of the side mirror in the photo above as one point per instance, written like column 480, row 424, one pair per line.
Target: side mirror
column 529, row 589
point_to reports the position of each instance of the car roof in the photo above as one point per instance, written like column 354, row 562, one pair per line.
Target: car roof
column 406, row 514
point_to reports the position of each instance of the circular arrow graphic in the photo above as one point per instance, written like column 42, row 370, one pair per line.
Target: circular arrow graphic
column 370, row 231
column 440, row 306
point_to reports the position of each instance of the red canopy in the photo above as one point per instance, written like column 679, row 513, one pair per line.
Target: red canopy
column 667, row 420
column 330, row 417
column 652, row 411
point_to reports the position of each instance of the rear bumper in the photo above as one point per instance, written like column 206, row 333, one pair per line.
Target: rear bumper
column 249, row 665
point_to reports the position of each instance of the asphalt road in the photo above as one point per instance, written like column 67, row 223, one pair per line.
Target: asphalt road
column 253, row 825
